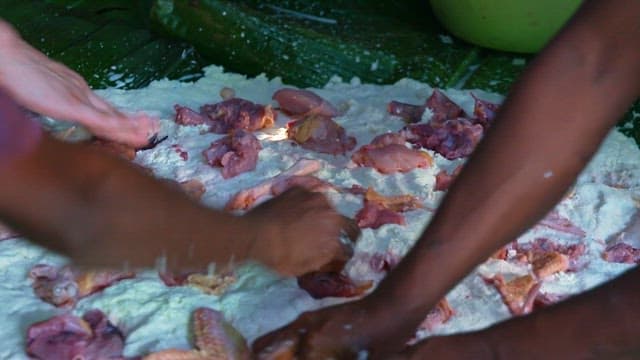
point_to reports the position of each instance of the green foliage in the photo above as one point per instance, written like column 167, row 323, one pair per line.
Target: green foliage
column 110, row 43
column 107, row 41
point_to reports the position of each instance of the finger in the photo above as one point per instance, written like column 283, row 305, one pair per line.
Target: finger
column 149, row 123
column 101, row 104
column 282, row 350
column 87, row 114
column 328, row 345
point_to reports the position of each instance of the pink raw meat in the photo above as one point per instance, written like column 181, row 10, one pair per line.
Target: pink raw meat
column 235, row 153
column 321, row 134
column 91, row 337
column 246, row 199
column 303, row 103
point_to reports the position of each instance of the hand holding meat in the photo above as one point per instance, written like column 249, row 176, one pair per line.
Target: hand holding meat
column 298, row 232
column 343, row 332
column 50, row 88
column 338, row 332
column 454, row 347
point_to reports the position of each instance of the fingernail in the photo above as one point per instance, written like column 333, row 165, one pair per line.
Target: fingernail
column 153, row 142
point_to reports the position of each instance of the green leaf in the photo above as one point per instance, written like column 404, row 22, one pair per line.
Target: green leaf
column 108, row 42
column 306, row 49
column 56, row 33
column 158, row 59
column 95, row 57
column 496, row 71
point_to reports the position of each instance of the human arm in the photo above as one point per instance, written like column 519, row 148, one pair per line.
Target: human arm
column 105, row 212
column 607, row 316
column 546, row 131
column 52, row 89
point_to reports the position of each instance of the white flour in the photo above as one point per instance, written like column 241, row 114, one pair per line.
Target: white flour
column 155, row 317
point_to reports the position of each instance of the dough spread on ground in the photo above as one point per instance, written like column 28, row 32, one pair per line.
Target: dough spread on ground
column 154, row 317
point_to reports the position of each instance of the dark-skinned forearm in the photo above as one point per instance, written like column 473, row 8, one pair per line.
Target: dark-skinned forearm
column 603, row 323
column 549, row 127
column 68, row 196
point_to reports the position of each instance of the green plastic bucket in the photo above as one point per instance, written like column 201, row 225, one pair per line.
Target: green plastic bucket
column 523, row 26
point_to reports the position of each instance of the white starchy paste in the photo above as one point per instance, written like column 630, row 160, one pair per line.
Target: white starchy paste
column 155, row 317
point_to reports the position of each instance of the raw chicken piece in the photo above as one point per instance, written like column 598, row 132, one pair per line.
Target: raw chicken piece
column 235, row 153
column 180, row 151
column 64, row 287
column 303, row 103
column 215, row 339
column 187, row 116
column 307, row 182
column 484, row 112
column 622, row 253
column 321, row 134
column 373, row 215
column 619, row 251
column 542, row 247
column 557, row 222
column 453, row 139
column 227, row 93
column 549, row 264
column 331, row 284
column 383, row 262
column 439, row 315
column 233, row 113
column 237, row 113
column 441, row 108
column 91, row 337
column 213, row 284
column 518, row 294
column 395, row 203
column 388, row 139
column 388, row 154
column 246, row 199
column 449, row 132
column 408, row 112
column 379, row 210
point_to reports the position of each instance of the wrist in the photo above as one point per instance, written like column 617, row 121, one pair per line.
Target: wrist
column 260, row 241
column 386, row 323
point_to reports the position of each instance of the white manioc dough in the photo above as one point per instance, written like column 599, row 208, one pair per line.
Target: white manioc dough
column 155, row 317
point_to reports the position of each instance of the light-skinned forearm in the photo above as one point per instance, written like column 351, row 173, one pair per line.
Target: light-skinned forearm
column 546, row 132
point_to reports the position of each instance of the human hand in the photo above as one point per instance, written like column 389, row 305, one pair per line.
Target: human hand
column 453, row 347
column 50, row 88
column 299, row 232
column 341, row 332
column 337, row 332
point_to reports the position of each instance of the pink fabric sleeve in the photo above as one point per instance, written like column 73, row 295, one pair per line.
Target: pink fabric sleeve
column 18, row 134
